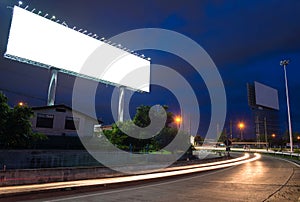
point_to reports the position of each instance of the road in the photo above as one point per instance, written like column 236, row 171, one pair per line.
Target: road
column 266, row 179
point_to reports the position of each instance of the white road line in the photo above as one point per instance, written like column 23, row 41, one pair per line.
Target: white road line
column 136, row 188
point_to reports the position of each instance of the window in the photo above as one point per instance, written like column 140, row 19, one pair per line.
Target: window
column 44, row 121
column 71, row 123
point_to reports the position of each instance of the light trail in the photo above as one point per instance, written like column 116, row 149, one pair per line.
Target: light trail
column 208, row 164
column 93, row 182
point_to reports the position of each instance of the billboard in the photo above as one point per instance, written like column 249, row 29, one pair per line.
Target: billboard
column 266, row 96
column 45, row 43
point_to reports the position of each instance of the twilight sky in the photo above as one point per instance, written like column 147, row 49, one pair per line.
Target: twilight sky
column 245, row 39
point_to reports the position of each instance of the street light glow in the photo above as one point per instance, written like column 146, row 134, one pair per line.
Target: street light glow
column 21, row 104
column 241, row 125
column 178, row 119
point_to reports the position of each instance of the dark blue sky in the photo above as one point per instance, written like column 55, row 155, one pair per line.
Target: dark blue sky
column 246, row 40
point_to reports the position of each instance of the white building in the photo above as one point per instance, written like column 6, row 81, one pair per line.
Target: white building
column 61, row 120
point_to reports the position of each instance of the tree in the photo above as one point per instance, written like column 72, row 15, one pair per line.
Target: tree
column 4, row 113
column 142, row 119
column 15, row 126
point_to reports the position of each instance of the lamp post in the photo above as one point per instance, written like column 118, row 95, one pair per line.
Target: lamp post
column 273, row 139
column 284, row 63
column 241, row 126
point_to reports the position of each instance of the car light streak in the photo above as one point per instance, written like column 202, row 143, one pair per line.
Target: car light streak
column 79, row 183
column 208, row 164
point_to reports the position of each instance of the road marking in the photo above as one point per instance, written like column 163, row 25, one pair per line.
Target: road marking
column 136, row 188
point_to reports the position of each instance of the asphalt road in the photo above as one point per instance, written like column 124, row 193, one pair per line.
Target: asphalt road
column 266, row 179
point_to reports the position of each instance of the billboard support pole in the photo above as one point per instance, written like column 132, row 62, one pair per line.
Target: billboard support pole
column 121, row 104
column 257, row 131
column 52, row 86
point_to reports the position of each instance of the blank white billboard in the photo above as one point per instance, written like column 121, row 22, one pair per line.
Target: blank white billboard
column 47, row 43
column 266, row 96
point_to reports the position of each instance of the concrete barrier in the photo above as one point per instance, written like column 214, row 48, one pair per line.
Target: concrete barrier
column 37, row 176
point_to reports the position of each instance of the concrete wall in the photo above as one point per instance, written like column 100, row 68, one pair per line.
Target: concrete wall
column 26, row 159
column 38, row 176
column 48, row 166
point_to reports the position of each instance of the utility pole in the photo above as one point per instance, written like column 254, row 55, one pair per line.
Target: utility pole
column 231, row 130
column 266, row 132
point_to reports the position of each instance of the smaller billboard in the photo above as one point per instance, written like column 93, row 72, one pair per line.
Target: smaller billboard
column 266, row 96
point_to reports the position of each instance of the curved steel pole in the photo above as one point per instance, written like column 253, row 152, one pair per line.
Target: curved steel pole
column 52, row 87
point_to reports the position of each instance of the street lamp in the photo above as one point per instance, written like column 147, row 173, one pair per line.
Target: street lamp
column 178, row 120
column 273, row 135
column 284, row 63
column 241, row 126
column 21, row 104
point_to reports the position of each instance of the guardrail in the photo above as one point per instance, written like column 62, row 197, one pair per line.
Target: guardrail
column 263, row 151
column 290, row 154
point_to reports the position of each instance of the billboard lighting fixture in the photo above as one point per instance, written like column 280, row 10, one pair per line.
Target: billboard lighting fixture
column 85, row 31
column 46, row 15
column 26, row 7
column 119, row 45
column 39, row 12
column 20, row 3
column 74, row 27
column 33, row 10
column 80, row 30
column 143, row 56
column 113, row 44
column 64, row 23
column 148, row 59
column 102, row 39
column 53, row 17
column 90, row 34
column 57, row 21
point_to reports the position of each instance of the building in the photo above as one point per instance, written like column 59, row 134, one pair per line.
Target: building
column 61, row 120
